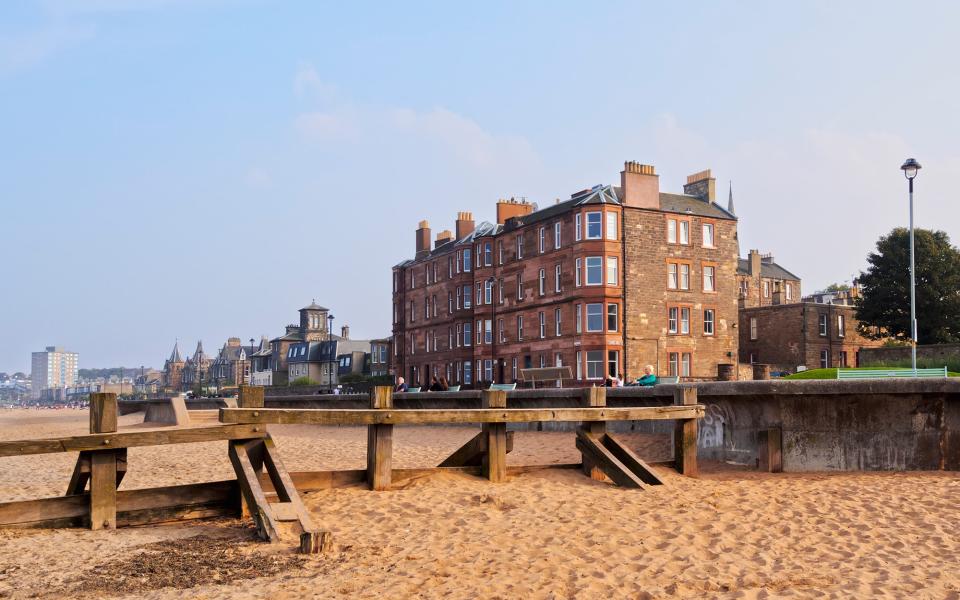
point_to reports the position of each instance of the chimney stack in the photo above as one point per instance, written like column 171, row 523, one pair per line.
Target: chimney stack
column 754, row 258
column 443, row 237
column 641, row 186
column 701, row 185
column 423, row 239
column 464, row 224
column 508, row 209
column 345, row 332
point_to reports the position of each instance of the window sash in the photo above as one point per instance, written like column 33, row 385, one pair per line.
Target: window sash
column 594, row 364
column 543, row 325
column 557, row 317
column 578, row 230
column 684, row 232
column 579, row 270
column 673, row 318
column 613, row 317
column 556, row 235
column 579, row 317
column 594, row 270
column 613, row 277
column 557, row 279
column 611, row 225
column 519, row 327
column 708, row 235
column 684, row 321
column 684, row 276
column 672, row 276
column 542, row 281
column 709, row 283
column 542, row 243
column 708, row 321
column 594, row 226
column 671, row 231
column 594, row 317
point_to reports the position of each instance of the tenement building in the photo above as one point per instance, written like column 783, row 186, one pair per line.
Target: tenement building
column 763, row 282
column 610, row 280
column 802, row 334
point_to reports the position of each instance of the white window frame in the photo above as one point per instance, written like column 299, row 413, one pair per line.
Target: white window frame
column 685, row 320
column 753, row 329
column 597, row 268
column 598, row 372
column 557, row 278
column 557, row 321
column 466, row 260
column 519, row 327
column 599, row 224
column 542, row 281
column 615, row 315
column 519, row 246
column 709, row 278
column 673, row 276
column 683, row 229
column 671, row 231
column 712, row 320
column 557, row 229
column 578, row 231
column 542, row 242
column 704, row 228
column 519, row 287
column 543, row 324
column 613, row 270
column 841, row 326
column 599, row 315
column 684, row 269
column 468, row 334
column 579, row 317
column 579, row 272
column 611, row 225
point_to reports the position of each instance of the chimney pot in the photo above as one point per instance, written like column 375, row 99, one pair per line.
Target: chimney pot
column 641, row 185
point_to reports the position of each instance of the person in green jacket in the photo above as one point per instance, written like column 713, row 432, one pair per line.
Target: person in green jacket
column 648, row 377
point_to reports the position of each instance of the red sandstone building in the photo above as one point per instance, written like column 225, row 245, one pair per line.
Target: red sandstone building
column 608, row 281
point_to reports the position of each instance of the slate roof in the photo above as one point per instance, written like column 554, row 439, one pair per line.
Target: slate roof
column 314, row 306
column 767, row 269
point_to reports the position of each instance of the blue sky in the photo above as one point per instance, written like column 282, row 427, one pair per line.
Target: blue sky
column 201, row 169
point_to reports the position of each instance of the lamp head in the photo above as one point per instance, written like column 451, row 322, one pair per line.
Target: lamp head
column 910, row 168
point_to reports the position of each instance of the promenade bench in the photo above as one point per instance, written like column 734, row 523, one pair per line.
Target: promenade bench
column 503, row 387
column 884, row 373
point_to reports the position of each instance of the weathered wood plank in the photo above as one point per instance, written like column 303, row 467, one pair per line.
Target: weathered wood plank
column 252, row 492
column 470, row 454
column 315, row 542
column 283, row 484
column 250, row 396
column 769, row 451
column 494, row 458
column 630, row 460
column 103, row 412
column 103, row 489
column 80, row 475
column 685, row 433
column 132, row 439
column 607, row 462
column 36, row 513
column 325, row 416
column 380, row 441
column 594, row 397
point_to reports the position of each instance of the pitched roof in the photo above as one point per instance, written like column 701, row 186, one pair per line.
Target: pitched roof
column 314, row 306
column 767, row 269
column 175, row 355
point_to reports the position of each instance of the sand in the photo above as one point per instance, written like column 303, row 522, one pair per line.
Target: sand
column 733, row 533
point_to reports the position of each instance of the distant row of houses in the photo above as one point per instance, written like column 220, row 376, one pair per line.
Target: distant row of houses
column 307, row 352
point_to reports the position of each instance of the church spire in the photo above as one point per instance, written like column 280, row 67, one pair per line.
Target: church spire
column 730, row 201
column 175, row 355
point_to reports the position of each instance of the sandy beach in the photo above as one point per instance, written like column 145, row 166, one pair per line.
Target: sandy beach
column 732, row 533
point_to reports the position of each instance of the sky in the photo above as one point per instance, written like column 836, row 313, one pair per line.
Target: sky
column 184, row 170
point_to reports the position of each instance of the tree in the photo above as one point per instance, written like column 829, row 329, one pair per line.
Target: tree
column 885, row 301
column 837, row 287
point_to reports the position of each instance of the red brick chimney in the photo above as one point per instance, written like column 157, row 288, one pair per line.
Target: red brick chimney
column 465, row 224
column 641, row 186
column 508, row 209
column 701, row 185
column 423, row 238
column 443, row 237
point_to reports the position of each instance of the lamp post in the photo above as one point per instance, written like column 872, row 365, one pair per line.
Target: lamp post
column 910, row 168
column 333, row 363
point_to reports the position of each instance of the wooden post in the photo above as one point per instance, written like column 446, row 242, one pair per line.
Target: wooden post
column 251, row 396
column 315, row 542
column 495, row 458
column 594, row 397
column 103, row 464
column 380, row 442
column 769, row 453
column 685, row 435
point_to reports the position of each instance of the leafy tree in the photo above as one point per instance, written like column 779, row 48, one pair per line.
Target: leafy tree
column 885, row 302
column 837, row 287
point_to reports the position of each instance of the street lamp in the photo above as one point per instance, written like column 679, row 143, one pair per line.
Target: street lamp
column 333, row 364
column 910, row 168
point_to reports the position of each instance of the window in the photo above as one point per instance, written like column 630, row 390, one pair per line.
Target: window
column 479, row 255
column 487, row 254
column 753, row 328
column 709, row 278
column 479, row 293
column 611, row 225
column 671, row 231
column 685, row 364
column 458, row 261
column 459, row 335
column 488, row 370
column 459, row 295
column 519, row 327
column 594, row 270
column 612, row 317
column 542, row 244
column 479, row 331
column 556, row 279
column 578, row 232
column 500, row 292
column 841, row 321
column 823, row 325
column 556, row 321
column 449, row 339
column 766, row 288
column 579, row 365
column 594, row 364
column 488, row 331
column 434, row 300
column 789, row 291
column 543, row 325
column 542, row 281
column 488, row 292
column 612, row 274
column 708, row 319
column 744, row 287
column 514, row 368
column 449, row 267
column 594, row 225
column 684, row 276
column 672, row 276
column 684, row 232
column 594, row 317
column 843, row 359
column 613, row 363
column 466, row 260
column 708, row 235
column 556, row 235
column 467, row 334
column 519, row 246
column 500, row 333
column 467, row 371
column 426, row 308
column 520, row 286
column 579, row 270
column 413, row 311
column 673, row 319
column 674, row 361
column 576, row 308
column 684, row 321
column 467, row 296
column 449, row 303
column 500, row 252
column 413, row 280
column 824, row 359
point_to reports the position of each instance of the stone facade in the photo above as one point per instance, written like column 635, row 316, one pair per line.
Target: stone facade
column 548, row 288
column 805, row 333
column 763, row 282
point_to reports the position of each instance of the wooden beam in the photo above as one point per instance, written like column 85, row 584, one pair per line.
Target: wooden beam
column 103, row 412
column 315, row 542
column 250, row 396
column 132, row 439
column 606, row 461
column 470, row 454
column 252, row 492
column 103, row 489
column 495, row 438
column 283, row 484
column 630, row 460
column 80, row 476
column 593, row 397
column 685, row 432
column 769, row 450
column 325, row 416
column 380, row 441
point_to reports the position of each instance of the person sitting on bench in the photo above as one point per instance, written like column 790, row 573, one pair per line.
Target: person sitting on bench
column 648, row 377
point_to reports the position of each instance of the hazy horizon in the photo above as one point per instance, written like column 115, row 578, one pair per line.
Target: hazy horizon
column 202, row 169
